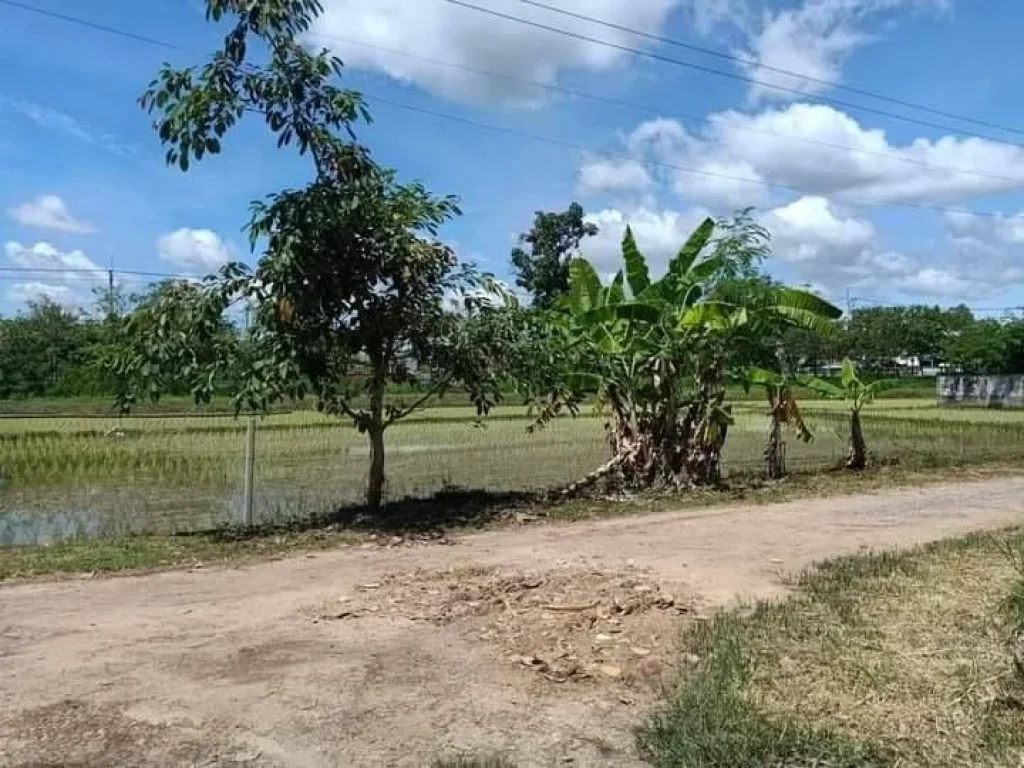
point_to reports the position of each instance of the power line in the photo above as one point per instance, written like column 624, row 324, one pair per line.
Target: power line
column 567, row 144
column 692, row 119
column 722, row 73
column 567, row 33
column 98, row 272
column 749, row 62
column 681, row 168
column 91, row 25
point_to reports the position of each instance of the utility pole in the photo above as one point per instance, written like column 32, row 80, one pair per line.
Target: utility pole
column 248, row 486
column 111, row 309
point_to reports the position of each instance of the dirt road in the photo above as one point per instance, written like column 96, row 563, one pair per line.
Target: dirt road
column 542, row 643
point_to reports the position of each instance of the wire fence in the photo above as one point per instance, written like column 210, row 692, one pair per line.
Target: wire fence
column 69, row 477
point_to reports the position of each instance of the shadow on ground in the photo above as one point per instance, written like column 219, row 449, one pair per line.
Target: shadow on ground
column 445, row 510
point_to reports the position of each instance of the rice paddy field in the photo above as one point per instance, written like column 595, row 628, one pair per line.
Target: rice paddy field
column 67, row 477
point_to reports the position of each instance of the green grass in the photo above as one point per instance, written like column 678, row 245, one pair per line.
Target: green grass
column 880, row 659
column 77, row 476
column 445, row 512
column 134, row 553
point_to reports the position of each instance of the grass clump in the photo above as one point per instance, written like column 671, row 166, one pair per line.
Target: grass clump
column 712, row 720
column 881, row 659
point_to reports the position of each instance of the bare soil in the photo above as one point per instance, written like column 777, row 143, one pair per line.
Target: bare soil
column 545, row 644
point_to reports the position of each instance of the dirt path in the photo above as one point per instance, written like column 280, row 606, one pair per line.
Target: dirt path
column 542, row 643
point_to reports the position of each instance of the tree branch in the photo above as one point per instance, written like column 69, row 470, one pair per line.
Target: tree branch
column 398, row 415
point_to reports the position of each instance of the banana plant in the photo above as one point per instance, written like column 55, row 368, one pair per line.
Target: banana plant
column 858, row 394
column 783, row 411
column 655, row 353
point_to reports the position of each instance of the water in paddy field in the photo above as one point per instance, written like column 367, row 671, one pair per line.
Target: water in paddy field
column 97, row 514
column 50, row 519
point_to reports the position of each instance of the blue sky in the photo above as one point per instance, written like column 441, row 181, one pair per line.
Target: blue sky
column 856, row 201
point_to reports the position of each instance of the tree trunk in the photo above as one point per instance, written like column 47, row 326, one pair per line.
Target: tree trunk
column 775, row 451
column 375, row 431
column 375, row 480
column 857, row 458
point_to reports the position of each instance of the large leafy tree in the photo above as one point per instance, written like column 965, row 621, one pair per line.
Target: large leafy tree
column 657, row 353
column 352, row 291
column 541, row 259
column 42, row 351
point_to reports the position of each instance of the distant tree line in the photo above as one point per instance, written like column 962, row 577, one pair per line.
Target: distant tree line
column 48, row 350
column 900, row 339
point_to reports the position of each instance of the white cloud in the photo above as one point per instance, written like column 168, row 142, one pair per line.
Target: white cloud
column 991, row 246
column 43, row 256
column 55, row 120
column 613, row 176
column 810, row 229
column 49, row 212
column 738, row 159
column 34, row 291
column 813, row 40
column 944, row 283
column 469, row 38
column 827, row 247
column 63, row 276
column 707, row 15
column 659, row 235
column 194, row 249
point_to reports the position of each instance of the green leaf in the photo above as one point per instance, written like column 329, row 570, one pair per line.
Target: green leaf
column 700, row 273
column 712, row 315
column 809, row 321
column 637, row 276
column 638, row 311
column 849, row 377
column 822, row 387
column 805, row 300
column 584, row 286
column 630, row 311
column 684, row 260
column 616, row 291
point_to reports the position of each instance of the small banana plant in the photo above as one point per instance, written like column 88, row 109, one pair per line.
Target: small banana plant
column 783, row 411
column 857, row 393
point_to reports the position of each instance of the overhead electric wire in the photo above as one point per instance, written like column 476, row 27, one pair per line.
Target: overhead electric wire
column 693, row 119
column 750, row 62
column 98, row 271
column 722, row 73
column 844, row 199
column 559, row 142
column 91, row 24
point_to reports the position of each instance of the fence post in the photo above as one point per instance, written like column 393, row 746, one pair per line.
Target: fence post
column 250, row 462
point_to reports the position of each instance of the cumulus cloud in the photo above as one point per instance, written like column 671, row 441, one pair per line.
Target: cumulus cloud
column 472, row 39
column 63, row 276
column 810, row 229
column 613, row 176
column 740, row 159
column 200, row 250
column 49, row 212
column 990, row 245
column 828, row 247
column 34, row 291
column 813, row 40
column 659, row 235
